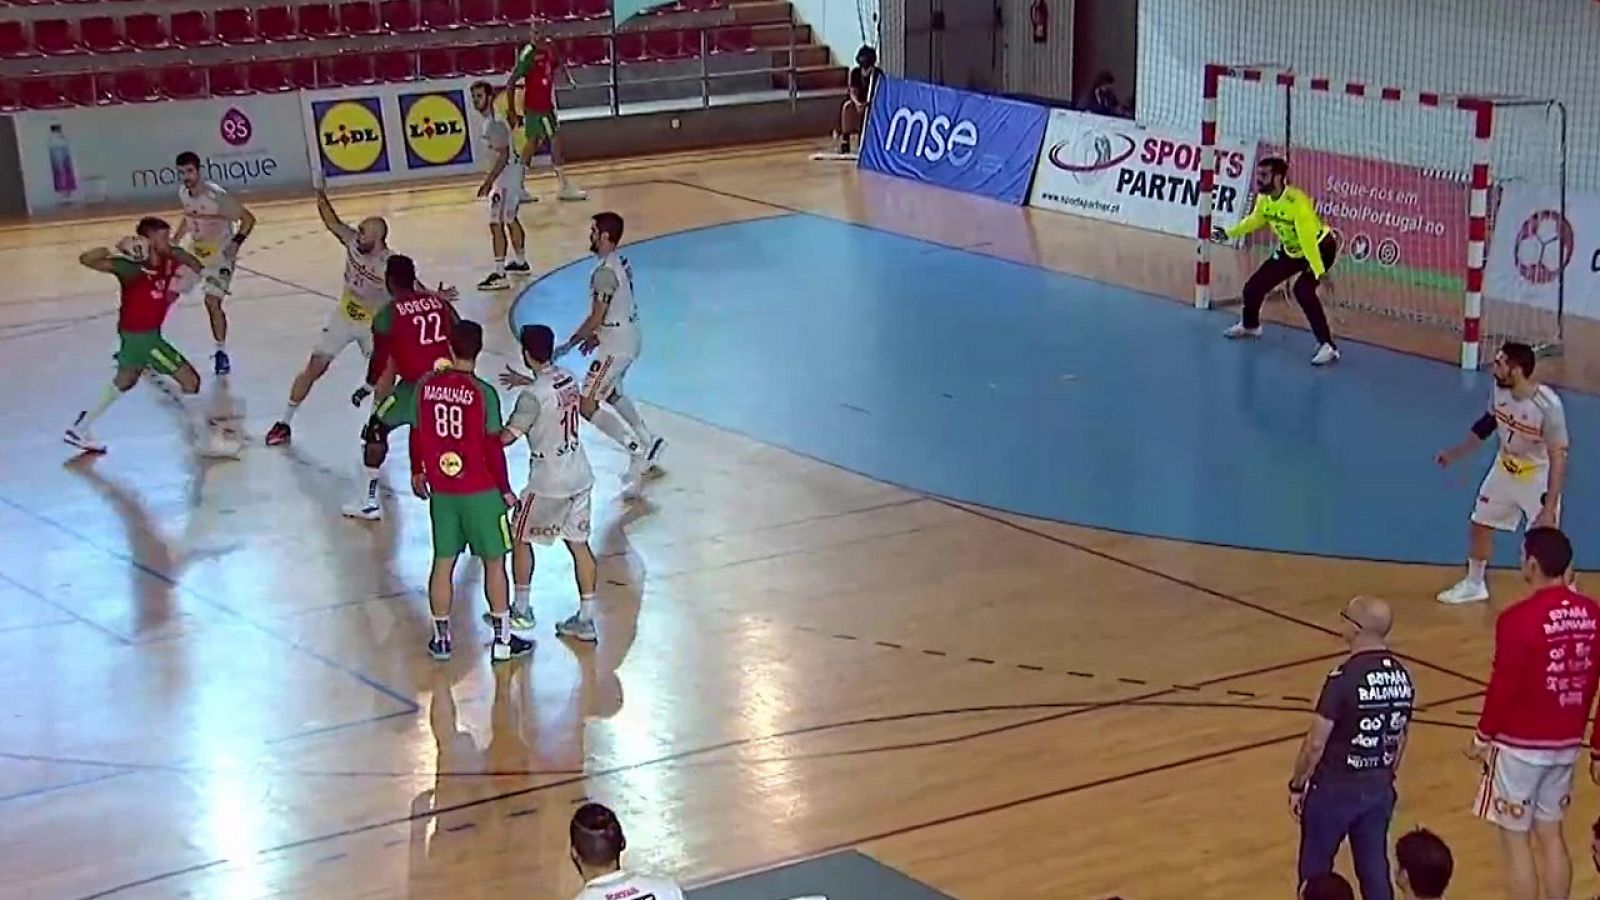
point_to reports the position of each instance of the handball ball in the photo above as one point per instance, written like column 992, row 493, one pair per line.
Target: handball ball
column 134, row 248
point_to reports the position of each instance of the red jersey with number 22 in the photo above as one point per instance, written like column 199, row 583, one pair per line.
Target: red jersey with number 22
column 416, row 328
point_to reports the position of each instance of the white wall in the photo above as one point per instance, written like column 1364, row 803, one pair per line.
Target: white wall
column 1044, row 70
column 1543, row 49
column 843, row 25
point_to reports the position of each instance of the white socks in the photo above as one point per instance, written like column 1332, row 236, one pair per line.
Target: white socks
column 107, row 397
column 630, row 414
column 519, row 598
column 1476, row 569
column 289, row 411
column 372, row 481
column 586, row 608
column 499, row 265
column 613, row 426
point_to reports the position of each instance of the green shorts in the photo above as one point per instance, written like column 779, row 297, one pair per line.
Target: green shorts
column 148, row 350
column 538, row 126
column 469, row 520
column 400, row 407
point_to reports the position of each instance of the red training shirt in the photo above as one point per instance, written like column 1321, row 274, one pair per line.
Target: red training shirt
column 148, row 290
column 455, row 444
column 416, row 330
column 1545, row 674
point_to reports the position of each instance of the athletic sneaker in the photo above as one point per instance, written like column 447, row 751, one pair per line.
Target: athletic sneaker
column 519, row 620
column 1237, row 330
column 79, row 436
column 510, row 648
column 494, row 281
column 367, row 508
column 578, row 628
column 439, row 647
column 279, row 433
column 657, row 446
column 1465, row 591
column 633, row 479
column 571, row 191
column 221, row 364
column 1326, row 353
column 360, row 396
column 518, row 268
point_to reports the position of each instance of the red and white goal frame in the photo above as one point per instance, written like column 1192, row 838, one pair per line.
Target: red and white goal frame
column 1481, row 110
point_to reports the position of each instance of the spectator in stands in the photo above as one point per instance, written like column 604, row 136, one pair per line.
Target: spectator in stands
column 1425, row 865
column 597, row 845
column 1102, row 99
column 1327, row 886
column 863, row 80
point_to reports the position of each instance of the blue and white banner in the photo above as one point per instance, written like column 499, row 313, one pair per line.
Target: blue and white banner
column 967, row 142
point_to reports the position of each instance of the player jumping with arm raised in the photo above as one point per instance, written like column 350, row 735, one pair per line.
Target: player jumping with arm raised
column 219, row 225
column 537, row 64
column 148, row 267
column 1529, row 471
column 350, row 321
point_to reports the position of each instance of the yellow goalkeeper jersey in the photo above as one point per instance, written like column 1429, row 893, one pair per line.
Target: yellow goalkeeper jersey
column 1293, row 217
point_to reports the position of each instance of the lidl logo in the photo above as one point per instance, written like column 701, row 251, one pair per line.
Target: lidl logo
column 350, row 136
column 435, row 129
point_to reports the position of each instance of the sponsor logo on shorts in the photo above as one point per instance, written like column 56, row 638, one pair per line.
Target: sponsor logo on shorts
column 435, row 129
column 350, row 136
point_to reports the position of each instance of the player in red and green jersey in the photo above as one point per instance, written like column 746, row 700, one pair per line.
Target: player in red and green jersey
column 414, row 330
column 537, row 64
column 148, row 267
column 458, row 464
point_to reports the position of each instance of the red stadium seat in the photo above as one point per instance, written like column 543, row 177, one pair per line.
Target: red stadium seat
column 134, row 86
column 236, row 26
column 586, row 51
column 268, row 78
column 40, row 93
column 100, row 34
column 303, row 74
column 14, row 42
column 479, row 12
column 55, row 37
column 182, row 83
column 439, row 15
column 630, row 48
column 392, row 67
column 10, row 95
column 591, row 9
column 275, row 23
column 476, row 61
column 146, row 31
column 359, row 18
column 668, row 45
column 86, row 90
column 554, row 9
column 398, row 15
column 733, row 40
column 190, row 29
column 346, row 70
column 516, row 12
column 317, row 21
column 437, row 64
column 503, row 57
column 228, row 81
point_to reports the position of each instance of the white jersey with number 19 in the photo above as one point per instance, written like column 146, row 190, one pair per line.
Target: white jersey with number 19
column 628, row 886
column 547, row 414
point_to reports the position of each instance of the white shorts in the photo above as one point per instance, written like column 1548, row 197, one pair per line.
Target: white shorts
column 504, row 203
column 217, row 276
column 540, row 520
column 1505, row 499
column 348, row 323
column 1514, row 794
column 605, row 375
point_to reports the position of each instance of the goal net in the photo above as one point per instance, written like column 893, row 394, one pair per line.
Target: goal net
column 1411, row 182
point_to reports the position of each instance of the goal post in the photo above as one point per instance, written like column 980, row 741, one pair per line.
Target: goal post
column 1410, row 181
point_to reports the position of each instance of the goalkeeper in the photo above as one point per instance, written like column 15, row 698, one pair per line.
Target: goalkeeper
column 1307, row 248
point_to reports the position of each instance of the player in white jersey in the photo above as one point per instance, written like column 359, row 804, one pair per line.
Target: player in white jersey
column 502, row 184
column 350, row 320
column 1529, row 471
column 597, row 844
column 218, row 224
column 556, row 501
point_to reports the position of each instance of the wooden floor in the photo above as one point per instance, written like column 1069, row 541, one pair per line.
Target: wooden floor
column 216, row 686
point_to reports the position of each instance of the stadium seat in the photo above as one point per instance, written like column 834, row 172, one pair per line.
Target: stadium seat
column 359, row 18
column 318, row 21
column 516, row 12
column 275, row 23
column 733, row 40
column 40, row 93
column 146, row 31
column 182, row 83
column 556, row 10
column 268, row 78
column 435, row 64
column 346, row 70
column 392, row 67
column 479, row 12
column 86, row 90
column 475, row 61
column 235, row 26
column 190, row 29
column 55, row 37
column 10, row 95
column 587, row 51
column 439, row 15
column 669, row 45
column 591, row 9
column 14, row 42
column 303, row 74
column 503, row 57
column 229, row 81
column 630, row 48
column 398, row 15
column 100, row 34
column 134, row 86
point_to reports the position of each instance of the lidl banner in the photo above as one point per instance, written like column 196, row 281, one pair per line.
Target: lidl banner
column 349, row 136
column 435, row 125
column 1539, row 255
column 954, row 139
column 1115, row 170
column 394, row 132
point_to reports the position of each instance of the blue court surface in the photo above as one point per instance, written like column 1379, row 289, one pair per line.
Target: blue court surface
column 846, row 875
column 1037, row 392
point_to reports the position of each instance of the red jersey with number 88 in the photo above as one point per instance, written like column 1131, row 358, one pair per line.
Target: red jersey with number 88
column 456, row 441
column 416, row 329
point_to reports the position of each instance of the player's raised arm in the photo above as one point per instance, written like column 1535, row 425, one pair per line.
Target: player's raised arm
column 1247, row 225
column 187, row 259
column 100, row 259
column 331, row 221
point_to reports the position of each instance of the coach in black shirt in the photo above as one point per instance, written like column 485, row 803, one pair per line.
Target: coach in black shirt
column 1343, row 781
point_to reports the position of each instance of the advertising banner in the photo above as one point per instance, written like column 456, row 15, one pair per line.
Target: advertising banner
column 394, row 132
column 1115, row 170
column 954, row 139
column 1533, row 244
column 119, row 154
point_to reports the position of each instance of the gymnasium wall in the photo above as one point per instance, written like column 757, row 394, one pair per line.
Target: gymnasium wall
column 842, row 25
column 1038, row 69
column 1543, row 49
